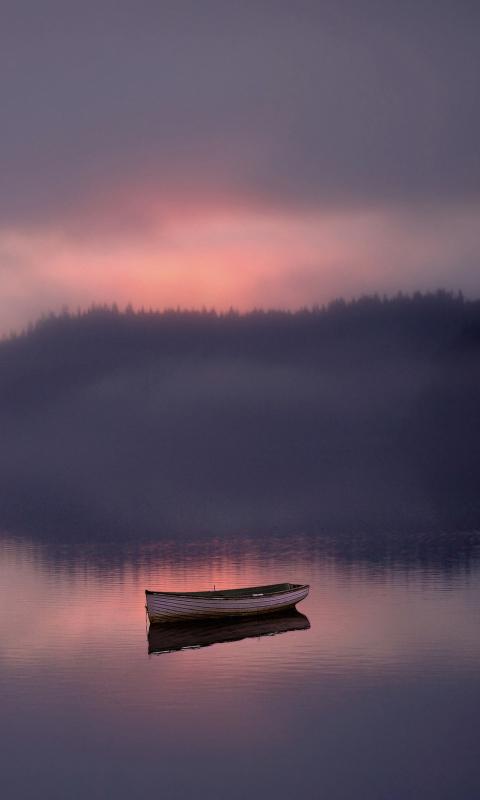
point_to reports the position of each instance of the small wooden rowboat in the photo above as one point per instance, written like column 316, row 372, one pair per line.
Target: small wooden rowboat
column 174, row 606
column 165, row 637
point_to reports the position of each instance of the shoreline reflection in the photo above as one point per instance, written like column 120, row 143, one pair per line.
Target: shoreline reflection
column 168, row 638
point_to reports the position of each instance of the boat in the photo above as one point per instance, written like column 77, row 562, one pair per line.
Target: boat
column 192, row 635
column 175, row 606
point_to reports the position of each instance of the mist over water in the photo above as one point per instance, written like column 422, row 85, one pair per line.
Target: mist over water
column 134, row 425
column 338, row 448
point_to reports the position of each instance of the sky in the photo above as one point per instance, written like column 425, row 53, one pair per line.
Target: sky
column 274, row 153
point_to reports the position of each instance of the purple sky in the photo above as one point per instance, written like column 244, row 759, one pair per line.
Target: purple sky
column 236, row 153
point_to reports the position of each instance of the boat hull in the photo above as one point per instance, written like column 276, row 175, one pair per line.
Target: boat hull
column 174, row 606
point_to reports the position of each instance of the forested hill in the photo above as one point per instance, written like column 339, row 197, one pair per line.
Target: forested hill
column 355, row 415
column 72, row 349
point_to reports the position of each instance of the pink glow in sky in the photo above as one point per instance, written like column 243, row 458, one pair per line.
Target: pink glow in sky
column 262, row 154
column 237, row 257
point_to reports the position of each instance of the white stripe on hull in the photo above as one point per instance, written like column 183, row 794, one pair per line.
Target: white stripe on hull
column 164, row 607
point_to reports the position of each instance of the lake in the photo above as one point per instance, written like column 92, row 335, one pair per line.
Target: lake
column 374, row 694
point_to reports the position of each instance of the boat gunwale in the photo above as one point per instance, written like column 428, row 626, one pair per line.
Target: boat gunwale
column 238, row 594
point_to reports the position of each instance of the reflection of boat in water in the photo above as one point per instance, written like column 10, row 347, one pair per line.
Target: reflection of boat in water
column 165, row 606
column 166, row 638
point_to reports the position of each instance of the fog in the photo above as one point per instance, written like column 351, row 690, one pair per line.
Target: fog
column 359, row 417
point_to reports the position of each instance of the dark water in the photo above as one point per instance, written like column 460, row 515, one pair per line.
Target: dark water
column 376, row 694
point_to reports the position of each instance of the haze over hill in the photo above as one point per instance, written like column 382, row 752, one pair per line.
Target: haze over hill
column 365, row 415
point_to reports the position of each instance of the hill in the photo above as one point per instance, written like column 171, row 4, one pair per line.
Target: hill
column 358, row 416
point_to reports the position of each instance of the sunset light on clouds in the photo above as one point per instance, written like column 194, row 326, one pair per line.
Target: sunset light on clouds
column 244, row 260
column 263, row 155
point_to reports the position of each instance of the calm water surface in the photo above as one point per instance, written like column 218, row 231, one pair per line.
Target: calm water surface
column 379, row 698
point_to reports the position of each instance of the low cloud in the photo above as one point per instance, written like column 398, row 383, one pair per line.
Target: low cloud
column 188, row 155
column 233, row 257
